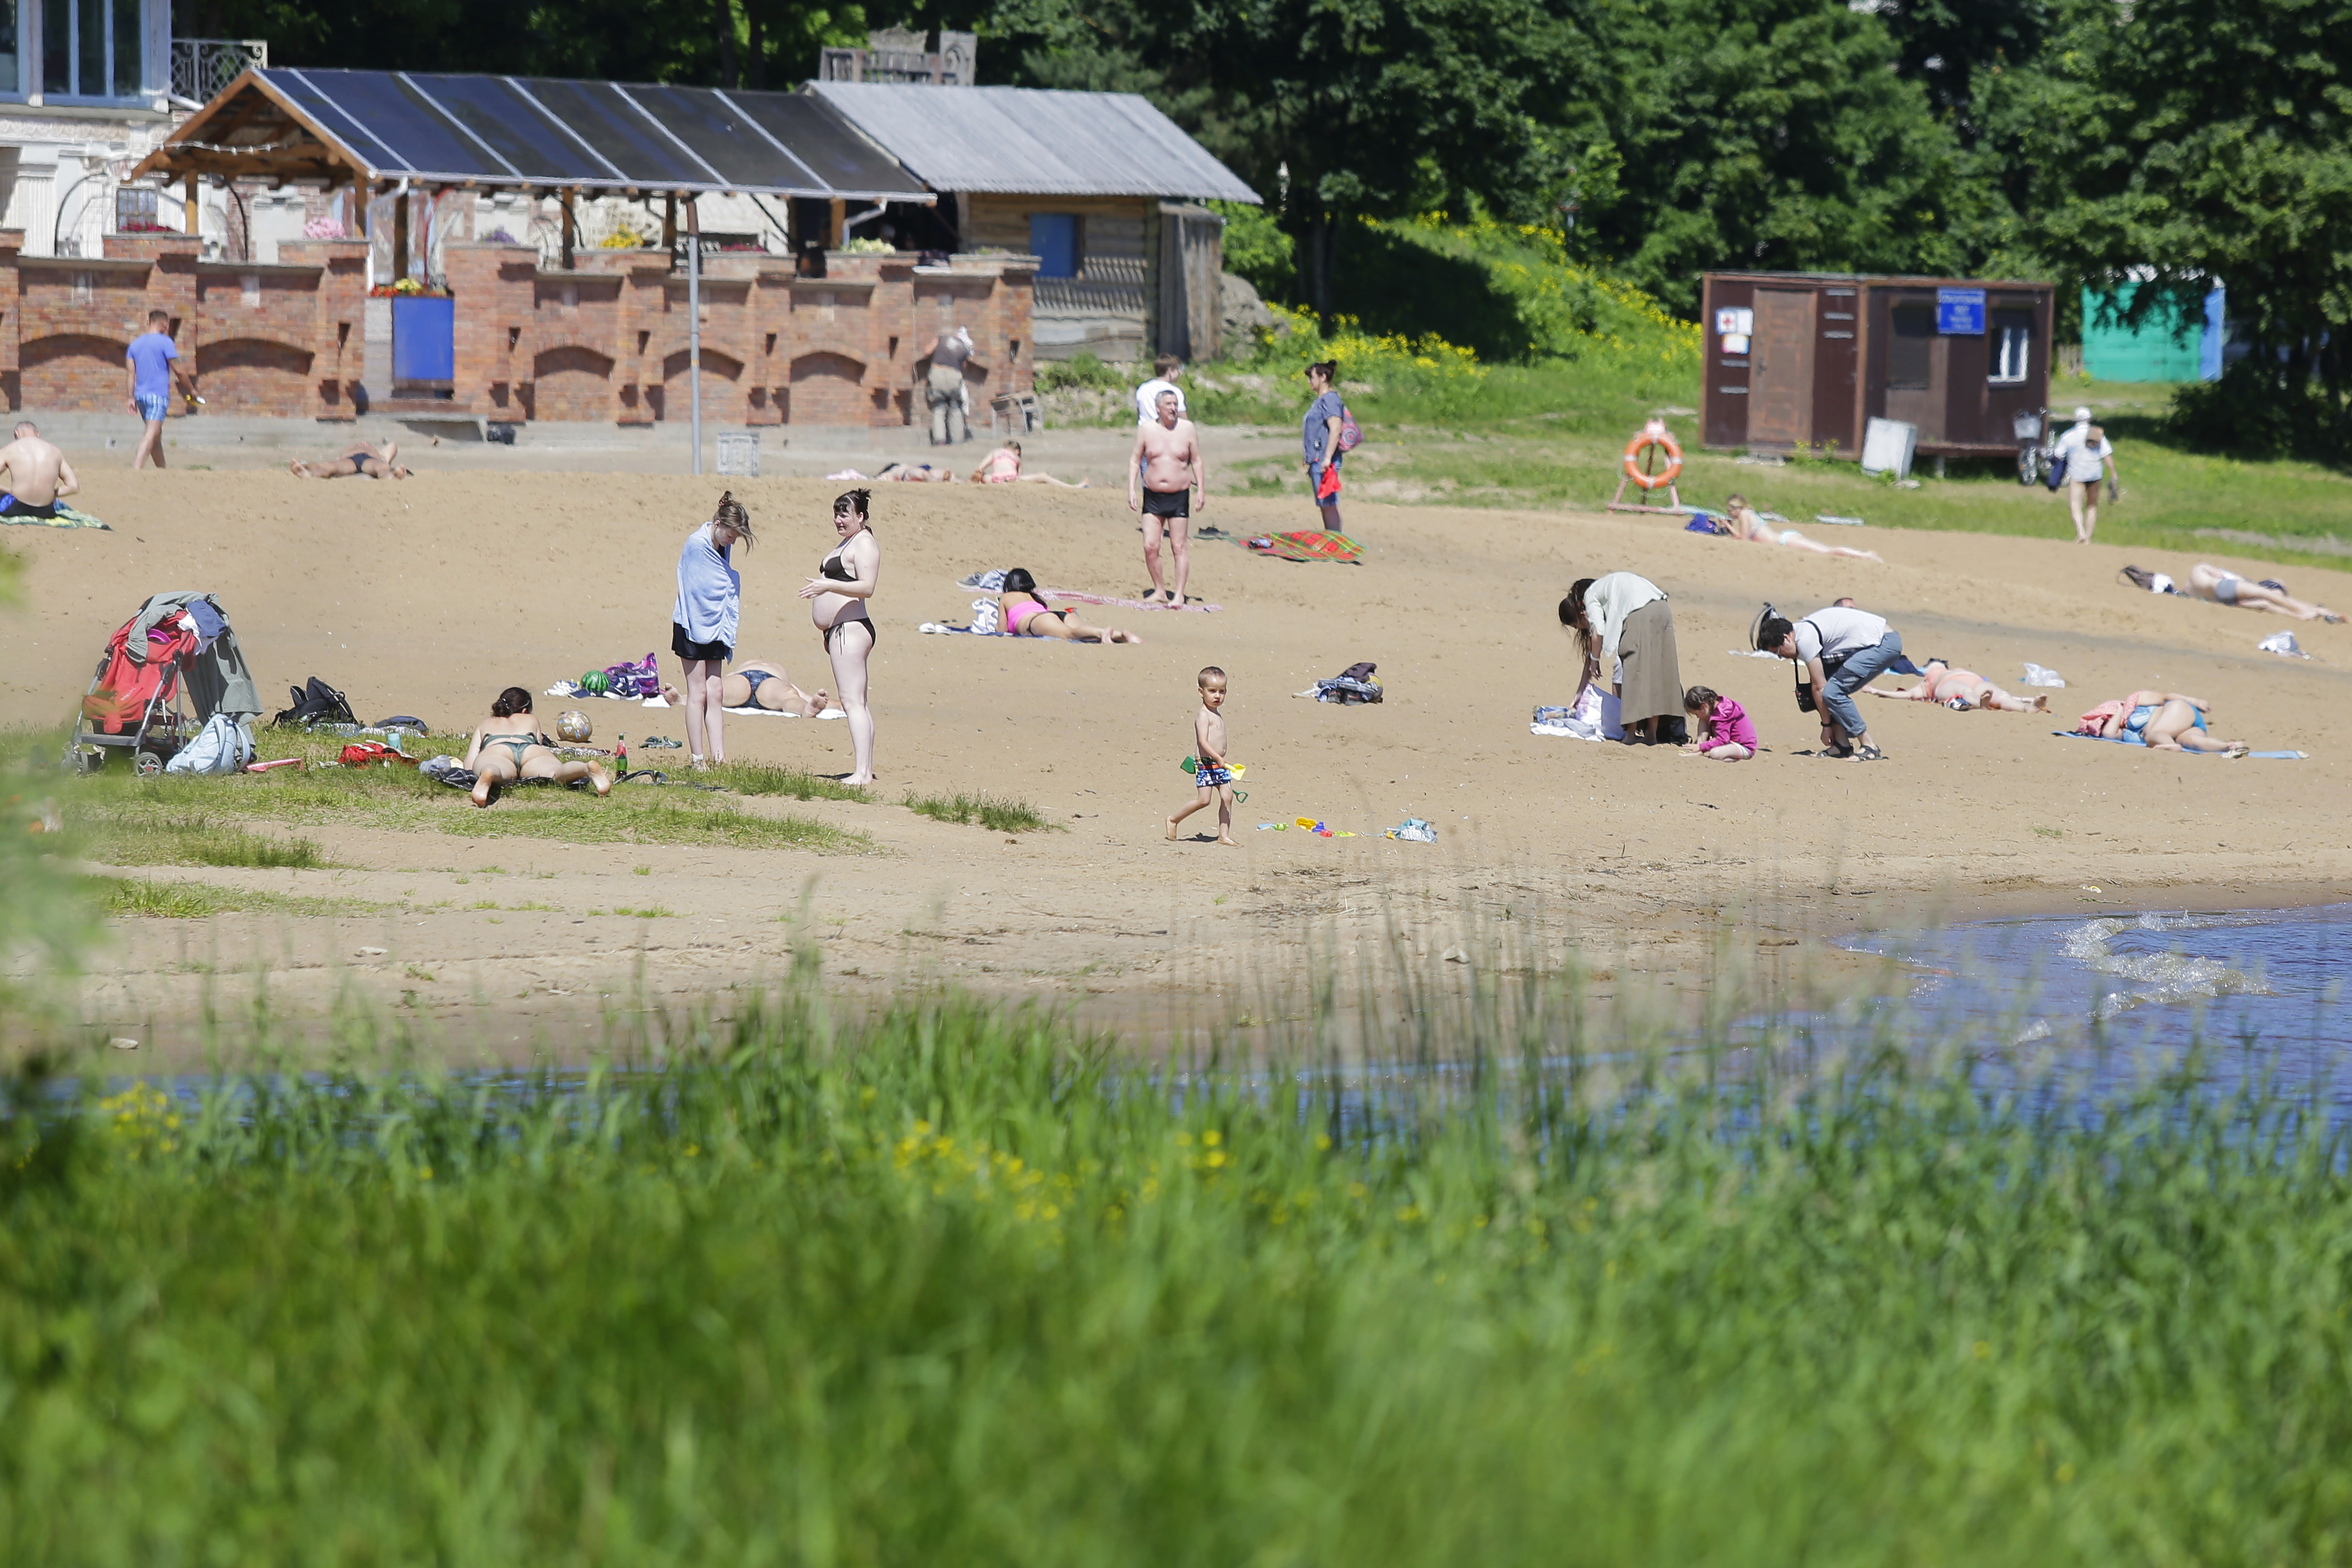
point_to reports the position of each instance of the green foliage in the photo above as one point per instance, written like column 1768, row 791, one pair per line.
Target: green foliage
column 760, row 778
column 1257, row 248
column 951, row 1284
column 997, row 816
column 1083, row 369
column 2209, row 145
column 192, row 838
column 138, row 898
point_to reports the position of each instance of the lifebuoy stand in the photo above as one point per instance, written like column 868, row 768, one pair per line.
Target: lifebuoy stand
column 1641, row 466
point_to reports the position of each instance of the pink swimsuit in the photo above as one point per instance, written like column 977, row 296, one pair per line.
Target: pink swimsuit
column 1021, row 614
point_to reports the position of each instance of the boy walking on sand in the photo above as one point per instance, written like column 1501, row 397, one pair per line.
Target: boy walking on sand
column 1213, row 778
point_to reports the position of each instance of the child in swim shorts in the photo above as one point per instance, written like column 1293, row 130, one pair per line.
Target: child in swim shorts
column 1720, row 727
column 1212, row 778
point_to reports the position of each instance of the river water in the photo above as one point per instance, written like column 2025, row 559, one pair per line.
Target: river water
column 2155, row 982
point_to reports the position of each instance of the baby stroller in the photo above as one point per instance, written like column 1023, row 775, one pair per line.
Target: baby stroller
column 176, row 654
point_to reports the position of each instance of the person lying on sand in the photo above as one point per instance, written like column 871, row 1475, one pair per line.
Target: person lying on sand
column 1747, row 524
column 1027, row 616
column 364, row 461
column 1963, row 689
column 2222, row 586
column 915, row 473
column 508, row 749
column 756, row 683
column 2163, row 721
column 1003, row 466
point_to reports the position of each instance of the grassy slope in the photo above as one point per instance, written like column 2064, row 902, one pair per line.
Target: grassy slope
column 1546, row 430
column 948, row 1288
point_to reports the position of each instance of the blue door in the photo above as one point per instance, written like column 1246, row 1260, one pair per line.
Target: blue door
column 1054, row 237
column 423, row 338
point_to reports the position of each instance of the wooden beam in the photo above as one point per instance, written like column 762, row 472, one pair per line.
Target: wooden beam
column 570, row 226
column 193, row 211
column 399, row 236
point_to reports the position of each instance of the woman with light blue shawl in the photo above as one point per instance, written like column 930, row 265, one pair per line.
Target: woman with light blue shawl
column 704, row 621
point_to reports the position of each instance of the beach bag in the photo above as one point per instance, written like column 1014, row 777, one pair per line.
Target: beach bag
column 316, row 701
column 220, row 747
column 639, row 680
column 1351, row 436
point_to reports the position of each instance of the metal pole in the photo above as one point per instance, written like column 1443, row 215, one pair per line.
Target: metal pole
column 694, row 324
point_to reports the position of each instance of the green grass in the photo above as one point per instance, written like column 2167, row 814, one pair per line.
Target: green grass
column 955, row 1284
column 761, row 778
column 138, row 898
column 997, row 816
column 142, row 811
column 194, row 838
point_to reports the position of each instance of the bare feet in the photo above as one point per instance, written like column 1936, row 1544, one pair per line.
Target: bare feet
column 484, row 788
column 1172, row 829
column 2236, row 748
column 1116, row 635
column 817, row 703
column 2041, row 703
column 669, row 695
column 1229, row 841
column 601, row 780
column 857, row 780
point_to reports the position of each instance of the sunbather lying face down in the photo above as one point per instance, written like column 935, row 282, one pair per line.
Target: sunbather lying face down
column 1003, row 466
column 1746, row 524
column 2164, row 721
column 1026, row 615
column 1939, row 682
column 2222, row 586
column 508, row 749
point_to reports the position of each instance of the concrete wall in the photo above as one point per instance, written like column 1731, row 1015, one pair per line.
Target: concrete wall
column 607, row 343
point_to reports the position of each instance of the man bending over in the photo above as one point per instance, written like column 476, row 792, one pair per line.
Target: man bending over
column 1167, row 481
column 38, row 473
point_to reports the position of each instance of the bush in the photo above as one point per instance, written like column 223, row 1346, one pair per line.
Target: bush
column 1259, row 249
column 2255, row 410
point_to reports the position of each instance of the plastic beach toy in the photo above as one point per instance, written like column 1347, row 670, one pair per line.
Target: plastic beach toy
column 1192, row 765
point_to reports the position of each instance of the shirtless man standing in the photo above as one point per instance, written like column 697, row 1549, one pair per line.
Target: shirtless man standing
column 38, row 473
column 1167, row 481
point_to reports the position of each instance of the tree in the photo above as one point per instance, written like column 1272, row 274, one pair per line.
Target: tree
column 2210, row 145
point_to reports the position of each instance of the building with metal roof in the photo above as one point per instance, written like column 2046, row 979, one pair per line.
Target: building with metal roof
column 1101, row 187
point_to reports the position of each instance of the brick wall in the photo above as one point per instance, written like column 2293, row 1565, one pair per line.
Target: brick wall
column 605, row 343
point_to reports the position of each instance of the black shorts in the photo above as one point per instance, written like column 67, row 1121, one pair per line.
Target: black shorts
column 1168, row 503
column 10, row 507
column 689, row 650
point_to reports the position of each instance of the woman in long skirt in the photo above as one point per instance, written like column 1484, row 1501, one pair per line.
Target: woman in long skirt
column 1626, row 624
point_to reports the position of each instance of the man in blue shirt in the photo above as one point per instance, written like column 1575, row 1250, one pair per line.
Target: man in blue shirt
column 154, row 364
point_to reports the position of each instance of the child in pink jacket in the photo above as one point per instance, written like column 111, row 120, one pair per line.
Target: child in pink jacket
column 1720, row 727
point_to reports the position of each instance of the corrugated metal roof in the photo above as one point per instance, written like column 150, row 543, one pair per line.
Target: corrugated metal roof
column 1033, row 141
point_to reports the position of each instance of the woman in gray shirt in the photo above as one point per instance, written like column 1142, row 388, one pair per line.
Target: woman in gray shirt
column 1319, row 434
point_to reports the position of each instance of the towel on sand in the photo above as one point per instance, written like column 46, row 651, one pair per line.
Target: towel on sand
column 1306, row 544
column 66, row 518
column 2135, row 740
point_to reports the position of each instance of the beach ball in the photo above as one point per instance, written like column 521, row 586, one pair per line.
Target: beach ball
column 572, row 726
column 595, row 682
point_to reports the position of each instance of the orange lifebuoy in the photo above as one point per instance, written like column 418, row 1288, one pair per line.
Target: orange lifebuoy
column 1641, row 444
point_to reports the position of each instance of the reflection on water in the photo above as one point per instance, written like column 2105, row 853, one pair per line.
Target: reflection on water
column 2149, row 979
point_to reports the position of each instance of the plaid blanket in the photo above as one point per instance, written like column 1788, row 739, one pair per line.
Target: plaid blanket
column 1306, row 544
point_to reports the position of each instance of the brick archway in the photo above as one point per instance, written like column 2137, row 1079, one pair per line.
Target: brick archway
column 254, row 375
column 828, row 389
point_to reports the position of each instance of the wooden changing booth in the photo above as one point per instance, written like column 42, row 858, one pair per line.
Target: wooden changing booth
column 1804, row 361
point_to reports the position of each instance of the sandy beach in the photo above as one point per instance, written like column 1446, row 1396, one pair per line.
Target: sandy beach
column 426, row 597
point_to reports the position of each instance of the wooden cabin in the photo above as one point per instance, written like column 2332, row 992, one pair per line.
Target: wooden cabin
column 1804, row 361
column 1100, row 187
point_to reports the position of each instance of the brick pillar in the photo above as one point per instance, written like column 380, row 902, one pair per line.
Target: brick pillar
column 171, row 282
column 12, row 320
column 493, row 288
column 337, row 329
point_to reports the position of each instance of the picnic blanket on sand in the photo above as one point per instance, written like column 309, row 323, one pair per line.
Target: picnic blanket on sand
column 1306, row 544
column 66, row 518
column 2135, row 740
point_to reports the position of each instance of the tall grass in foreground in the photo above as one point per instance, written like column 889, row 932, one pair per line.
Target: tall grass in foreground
column 953, row 1285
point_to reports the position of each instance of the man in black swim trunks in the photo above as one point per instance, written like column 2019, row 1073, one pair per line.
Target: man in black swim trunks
column 1167, row 481
column 364, row 461
column 38, row 473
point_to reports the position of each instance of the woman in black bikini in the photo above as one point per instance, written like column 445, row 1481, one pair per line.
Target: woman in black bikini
column 509, row 750
column 837, row 596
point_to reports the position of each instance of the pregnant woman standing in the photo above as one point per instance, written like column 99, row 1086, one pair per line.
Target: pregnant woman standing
column 837, row 596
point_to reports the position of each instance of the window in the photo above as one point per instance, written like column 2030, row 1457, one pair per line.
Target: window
column 9, row 81
column 2012, row 346
column 1054, row 237
column 136, row 210
column 91, row 49
column 1910, row 350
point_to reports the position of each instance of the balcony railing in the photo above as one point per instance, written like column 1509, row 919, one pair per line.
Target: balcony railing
column 201, row 67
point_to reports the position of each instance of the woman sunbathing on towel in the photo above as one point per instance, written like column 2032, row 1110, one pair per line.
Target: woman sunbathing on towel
column 755, row 682
column 2164, row 721
column 1962, row 689
column 1746, row 524
column 508, row 749
column 363, row 460
column 2222, row 586
column 1003, row 466
column 1027, row 616
column 915, row 473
